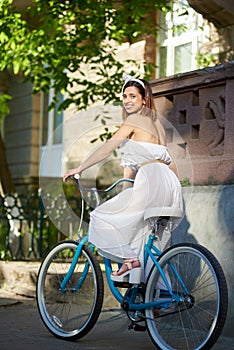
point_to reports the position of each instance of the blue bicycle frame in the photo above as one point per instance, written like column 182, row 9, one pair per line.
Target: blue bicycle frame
column 150, row 252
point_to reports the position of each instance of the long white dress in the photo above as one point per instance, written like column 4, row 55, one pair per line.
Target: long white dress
column 117, row 227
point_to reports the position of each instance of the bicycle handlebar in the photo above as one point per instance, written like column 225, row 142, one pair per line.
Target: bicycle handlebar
column 76, row 178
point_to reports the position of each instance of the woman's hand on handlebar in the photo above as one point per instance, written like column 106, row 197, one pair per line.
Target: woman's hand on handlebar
column 71, row 172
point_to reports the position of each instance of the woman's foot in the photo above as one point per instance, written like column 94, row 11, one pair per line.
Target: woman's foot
column 128, row 265
column 130, row 272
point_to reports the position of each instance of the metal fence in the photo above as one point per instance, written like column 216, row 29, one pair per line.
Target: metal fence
column 26, row 230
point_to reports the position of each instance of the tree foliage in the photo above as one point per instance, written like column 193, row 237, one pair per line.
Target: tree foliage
column 70, row 45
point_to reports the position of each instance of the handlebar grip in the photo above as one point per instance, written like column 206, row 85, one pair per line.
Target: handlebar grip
column 75, row 177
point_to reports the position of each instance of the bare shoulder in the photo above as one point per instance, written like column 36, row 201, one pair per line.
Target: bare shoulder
column 131, row 119
column 146, row 129
column 138, row 120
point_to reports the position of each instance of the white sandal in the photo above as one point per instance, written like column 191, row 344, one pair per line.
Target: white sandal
column 128, row 273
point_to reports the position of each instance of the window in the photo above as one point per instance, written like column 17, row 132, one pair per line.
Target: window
column 182, row 58
column 51, row 120
column 51, row 137
column 179, row 38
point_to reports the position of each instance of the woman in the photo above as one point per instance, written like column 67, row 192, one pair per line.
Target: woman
column 117, row 227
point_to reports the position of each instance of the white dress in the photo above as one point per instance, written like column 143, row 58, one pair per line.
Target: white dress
column 117, row 227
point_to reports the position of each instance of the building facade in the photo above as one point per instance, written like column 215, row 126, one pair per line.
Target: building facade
column 31, row 131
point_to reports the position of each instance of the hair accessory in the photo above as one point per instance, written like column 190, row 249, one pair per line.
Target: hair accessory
column 128, row 78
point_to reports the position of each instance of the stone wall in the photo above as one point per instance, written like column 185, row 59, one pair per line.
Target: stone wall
column 209, row 220
column 200, row 106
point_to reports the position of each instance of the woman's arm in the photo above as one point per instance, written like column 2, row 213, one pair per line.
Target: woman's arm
column 104, row 151
column 130, row 174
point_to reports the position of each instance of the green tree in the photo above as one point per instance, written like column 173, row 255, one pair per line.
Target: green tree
column 60, row 38
column 51, row 40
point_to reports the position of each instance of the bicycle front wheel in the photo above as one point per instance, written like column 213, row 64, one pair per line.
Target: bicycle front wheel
column 195, row 320
column 69, row 313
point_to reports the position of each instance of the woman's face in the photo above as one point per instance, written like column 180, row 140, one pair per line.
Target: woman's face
column 132, row 100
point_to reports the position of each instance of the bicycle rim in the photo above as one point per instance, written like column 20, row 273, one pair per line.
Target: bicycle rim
column 197, row 321
column 71, row 313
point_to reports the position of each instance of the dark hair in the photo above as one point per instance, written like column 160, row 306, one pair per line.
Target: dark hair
column 147, row 94
column 137, row 85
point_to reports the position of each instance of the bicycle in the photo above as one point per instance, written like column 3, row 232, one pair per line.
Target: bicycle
column 182, row 304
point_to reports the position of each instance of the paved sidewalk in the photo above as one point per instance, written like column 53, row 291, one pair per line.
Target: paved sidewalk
column 17, row 291
column 27, row 331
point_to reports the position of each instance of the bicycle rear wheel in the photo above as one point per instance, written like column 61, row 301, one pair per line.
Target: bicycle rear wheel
column 70, row 313
column 197, row 320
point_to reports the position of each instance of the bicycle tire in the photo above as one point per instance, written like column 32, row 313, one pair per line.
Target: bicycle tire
column 69, row 314
column 197, row 322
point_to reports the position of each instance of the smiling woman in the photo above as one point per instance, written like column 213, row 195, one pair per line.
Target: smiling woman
column 132, row 100
column 117, row 227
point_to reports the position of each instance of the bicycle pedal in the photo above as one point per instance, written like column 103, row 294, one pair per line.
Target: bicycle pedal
column 122, row 284
column 137, row 327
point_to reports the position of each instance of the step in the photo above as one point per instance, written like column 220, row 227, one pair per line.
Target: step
column 20, row 278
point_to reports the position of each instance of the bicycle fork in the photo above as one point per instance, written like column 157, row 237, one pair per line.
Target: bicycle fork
column 63, row 284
